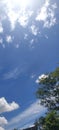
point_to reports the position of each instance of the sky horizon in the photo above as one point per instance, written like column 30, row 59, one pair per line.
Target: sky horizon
column 29, row 48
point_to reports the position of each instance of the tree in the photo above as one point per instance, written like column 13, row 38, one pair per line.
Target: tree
column 48, row 93
column 48, row 90
column 40, row 122
column 51, row 121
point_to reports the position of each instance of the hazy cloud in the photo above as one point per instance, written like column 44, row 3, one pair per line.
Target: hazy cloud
column 11, row 74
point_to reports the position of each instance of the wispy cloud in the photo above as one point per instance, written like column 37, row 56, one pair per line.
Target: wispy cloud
column 13, row 74
column 1, row 43
column 34, row 30
column 28, row 115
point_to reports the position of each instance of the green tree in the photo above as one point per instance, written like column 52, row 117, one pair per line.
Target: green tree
column 48, row 90
column 48, row 93
column 51, row 121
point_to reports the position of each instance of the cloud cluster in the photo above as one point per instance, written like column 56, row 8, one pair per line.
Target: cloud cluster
column 6, row 107
column 47, row 14
column 15, row 14
column 27, row 18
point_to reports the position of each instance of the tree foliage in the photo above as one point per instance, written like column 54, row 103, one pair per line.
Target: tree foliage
column 48, row 93
column 51, row 121
column 48, row 90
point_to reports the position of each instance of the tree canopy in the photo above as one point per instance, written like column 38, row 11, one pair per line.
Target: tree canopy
column 48, row 93
column 48, row 90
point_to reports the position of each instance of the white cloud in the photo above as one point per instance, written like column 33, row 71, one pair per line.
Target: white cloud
column 42, row 15
column 2, row 128
column 47, row 14
column 1, row 28
column 30, row 114
column 24, row 17
column 3, row 121
column 7, row 107
column 37, row 81
column 11, row 10
column 16, row 14
column 12, row 16
column 9, row 38
column 34, row 30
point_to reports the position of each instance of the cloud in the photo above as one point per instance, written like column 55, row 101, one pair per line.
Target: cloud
column 1, row 28
column 12, row 16
column 34, row 30
column 11, row 74
column 1, row 40
column 7, row 107
column 9, row 38
column 15, row 13
column 24, row 17
column 46, row 36
column 3, row 121
column 30, row 114
column 25, row 36
column 17, row 46
column 1, row 43
column 1, row 128
column 47, row 14
column 11, row 10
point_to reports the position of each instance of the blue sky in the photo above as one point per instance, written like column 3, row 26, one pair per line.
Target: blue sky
column 29, row 47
